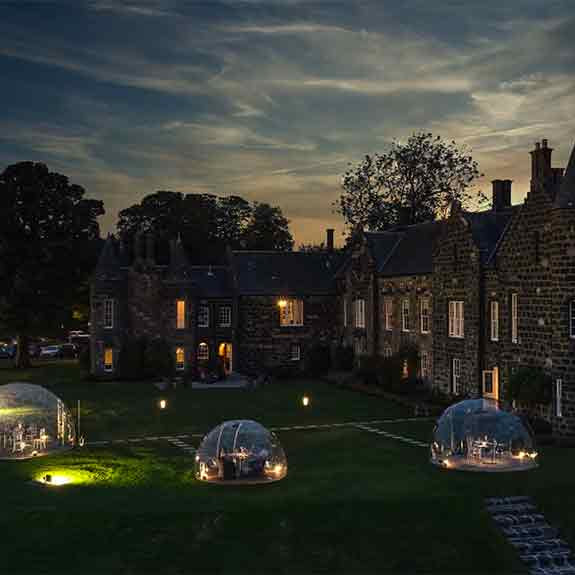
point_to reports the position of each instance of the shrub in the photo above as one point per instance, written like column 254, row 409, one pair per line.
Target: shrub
column 158, row 359
column 317, row 360
column 131, row 360
column 344, row 358
column 391, row 373
column 369, row 369
column 85, row 361
column 530, row 385
column 409, row 353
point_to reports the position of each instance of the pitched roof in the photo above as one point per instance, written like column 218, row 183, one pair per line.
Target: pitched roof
column 487, row 229
column 271, row 273
column 210, row 281
column 413, row 253
column 381, row 245
column 565, row 198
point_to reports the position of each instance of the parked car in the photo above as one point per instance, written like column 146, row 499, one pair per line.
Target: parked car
column 50, row 351
column 7, row 351
column 69, row 351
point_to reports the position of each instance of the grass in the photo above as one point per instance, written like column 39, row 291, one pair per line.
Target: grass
column 352, row 502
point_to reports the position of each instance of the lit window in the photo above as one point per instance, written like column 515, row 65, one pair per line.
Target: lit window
column 359, row 312
column 295, row 352
column 225, row 316
column 203, row 316
column 425, row 364
column 291, row 312
column 405, row 315
column 405, row 370
column 558, row 397
column 455, row 319
column 424, row 315
column 108, row 313
column 180, row 359
column 180, row 314
column 203, row 351
column 514, row 338
column 108, row 359
column 455, row 375
column 388, row 313
column 572, row 319
column 494, row 321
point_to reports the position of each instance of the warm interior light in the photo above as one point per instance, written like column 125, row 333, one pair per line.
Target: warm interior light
column 447, row 463
column 305, row 400
column 282, row 303
column 278, row 468
column 162, row 403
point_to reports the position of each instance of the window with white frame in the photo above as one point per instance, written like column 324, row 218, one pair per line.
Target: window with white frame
column 425, row 364
column 388, row 313
column 180, row 359
column 359, row 313
column 344, row 312
column 225, row 315
column 455, row 375
column 387, row 351
column 572, row 319
column 203, row 316
column 494, row 321
column 180, row 314
column 295, row 352
column 456, row 319
column 405, row 315
column 424, row 315
column 291, row 312
column 558, row 397
column 108, row 359
column 108, row 313
column 203, row 351
column 514, row 338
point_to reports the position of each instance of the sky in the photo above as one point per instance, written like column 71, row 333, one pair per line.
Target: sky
column 272, row 100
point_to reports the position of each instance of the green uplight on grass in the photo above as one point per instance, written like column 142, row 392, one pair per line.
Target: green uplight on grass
column 60, row 477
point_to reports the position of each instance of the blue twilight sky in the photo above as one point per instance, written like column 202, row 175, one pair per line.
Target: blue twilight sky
column 270, row 99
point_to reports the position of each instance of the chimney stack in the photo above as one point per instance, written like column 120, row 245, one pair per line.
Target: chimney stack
column 541, row 163
column 329, row 239
column 501, row 195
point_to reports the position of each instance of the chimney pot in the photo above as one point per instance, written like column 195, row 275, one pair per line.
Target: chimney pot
column 329, row 239
column 537, row 145
column 544, row 143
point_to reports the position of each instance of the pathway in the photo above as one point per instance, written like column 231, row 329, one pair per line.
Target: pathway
column 538, row 543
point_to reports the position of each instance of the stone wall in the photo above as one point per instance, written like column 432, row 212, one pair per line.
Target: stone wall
column 456, row 277
column 264, row 344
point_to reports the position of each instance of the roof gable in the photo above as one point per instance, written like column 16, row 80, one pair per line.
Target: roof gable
column 566, row 196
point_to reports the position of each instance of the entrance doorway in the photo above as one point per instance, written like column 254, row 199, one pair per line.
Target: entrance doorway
column 225, row 353
column 491, row 384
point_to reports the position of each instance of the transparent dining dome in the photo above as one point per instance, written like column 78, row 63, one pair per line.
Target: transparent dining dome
column 33, row 422
column 479, row 435
column 240, row 451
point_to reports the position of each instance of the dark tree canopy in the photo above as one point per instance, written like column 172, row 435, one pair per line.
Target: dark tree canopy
column 411, row 183
column 49, row 243
column 208, row 224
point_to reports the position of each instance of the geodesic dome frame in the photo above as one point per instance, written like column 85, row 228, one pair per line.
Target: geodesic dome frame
column 33, row 422
column 240, row 451
column 479, row 435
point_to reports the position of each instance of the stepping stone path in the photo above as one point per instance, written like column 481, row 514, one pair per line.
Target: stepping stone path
column 408, row 440
column 177, row 442
column 539, row 545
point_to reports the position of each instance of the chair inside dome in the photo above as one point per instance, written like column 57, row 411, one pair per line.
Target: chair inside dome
column 240, row 451
column 478, row 435
column 33, row 422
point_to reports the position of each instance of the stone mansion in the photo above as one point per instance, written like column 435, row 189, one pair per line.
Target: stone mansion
column 479, row 293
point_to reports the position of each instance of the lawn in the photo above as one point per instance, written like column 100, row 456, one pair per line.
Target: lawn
column 352, row 502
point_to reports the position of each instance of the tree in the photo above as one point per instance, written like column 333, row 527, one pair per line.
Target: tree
column 49, row 240
column 268, row 229
column 207, row 224
column 411, row 183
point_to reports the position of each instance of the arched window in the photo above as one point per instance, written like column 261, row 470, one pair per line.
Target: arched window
column 203, row 351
